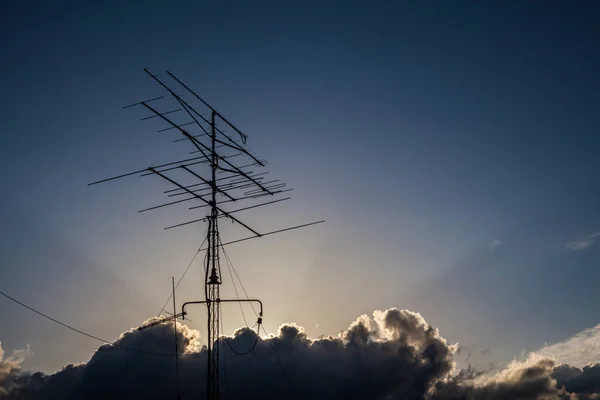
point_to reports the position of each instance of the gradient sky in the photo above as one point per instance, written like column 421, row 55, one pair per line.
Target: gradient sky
column 452, row 148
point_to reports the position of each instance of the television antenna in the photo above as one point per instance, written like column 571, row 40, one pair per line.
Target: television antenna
column 221, row 182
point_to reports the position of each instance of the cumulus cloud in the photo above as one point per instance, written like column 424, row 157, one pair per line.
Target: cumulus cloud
column 10, row 369
column 393, row 354
column 584, row 381
column 529, row 380
column 584, row 242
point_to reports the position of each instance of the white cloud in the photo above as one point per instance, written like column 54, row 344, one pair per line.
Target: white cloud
column 495, row 244
column 580, row 350
column 583, row 243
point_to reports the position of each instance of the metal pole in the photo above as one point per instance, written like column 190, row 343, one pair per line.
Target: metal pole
column 214, row 279
column 176, row 347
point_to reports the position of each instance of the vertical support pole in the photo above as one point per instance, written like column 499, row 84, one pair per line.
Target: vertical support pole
column 176, row 346
column 208, row 310
column 212, row 279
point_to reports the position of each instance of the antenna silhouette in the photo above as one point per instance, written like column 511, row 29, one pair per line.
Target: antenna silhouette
column 212, row 179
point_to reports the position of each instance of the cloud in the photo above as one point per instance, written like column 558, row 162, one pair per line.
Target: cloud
column 495, row 244
column 529, row 380
column 584, row 381
column 579, row 351
column 393, row 354
column 583, row 243
column 10, row 369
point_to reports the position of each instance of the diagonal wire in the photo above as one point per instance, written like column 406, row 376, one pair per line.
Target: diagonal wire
column 79, row 330
column 253, row 352
column 183, row 275
column 145, row 333
column 228, row 262
column 287, row 376
column 238, row 277
column 260, row 368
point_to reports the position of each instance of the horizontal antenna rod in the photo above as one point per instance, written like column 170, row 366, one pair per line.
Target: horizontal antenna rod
column 235, row 172
column 206, row 205
column 242, row 198
column 272, row 233
column 223, row 188
column 260, row 313
column 178, row 126
column 171, row 314
column 211, row 183
column 198, row 143
column 182, row 139
column 219, row 179
column 240, row 180
column 165, row 113
column 207, row 202
column 160, row 321
column 229, row 187
column 187, row 165
column 257, row 191
column 142, row 170
column 170, row 204
column 204, row 219
column 145, row 101
column 216, row 147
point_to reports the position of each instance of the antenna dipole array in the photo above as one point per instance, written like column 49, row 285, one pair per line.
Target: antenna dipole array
column 211, row 180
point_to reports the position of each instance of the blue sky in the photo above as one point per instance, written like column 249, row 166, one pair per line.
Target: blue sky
column 422, row 131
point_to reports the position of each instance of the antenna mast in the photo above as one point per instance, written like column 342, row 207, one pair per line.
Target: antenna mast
column 211, row 190
column 213, row 281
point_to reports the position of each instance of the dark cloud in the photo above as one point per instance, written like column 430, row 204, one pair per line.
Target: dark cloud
column 394, row 354
column 530, row 380
column 584, row 381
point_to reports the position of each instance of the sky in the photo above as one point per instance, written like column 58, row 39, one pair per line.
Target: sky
column 450, row 146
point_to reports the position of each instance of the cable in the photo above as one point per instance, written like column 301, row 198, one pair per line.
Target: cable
column 104, row 341
column 145, row 333
column 254, row 354
column 280, row 363
column 230, row 267
column 80, row 331
column 236, row 352
column 253, row 348
column 239, row 280
column 55, row 320
column 228, row 262
column 260, row 369
column 182, row 276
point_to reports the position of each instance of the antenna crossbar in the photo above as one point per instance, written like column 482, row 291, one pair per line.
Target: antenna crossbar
column 219, row 179
column 243, row 136
column 181, row 101
column 230, row 212
column 202, row 148
column 208, row 202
